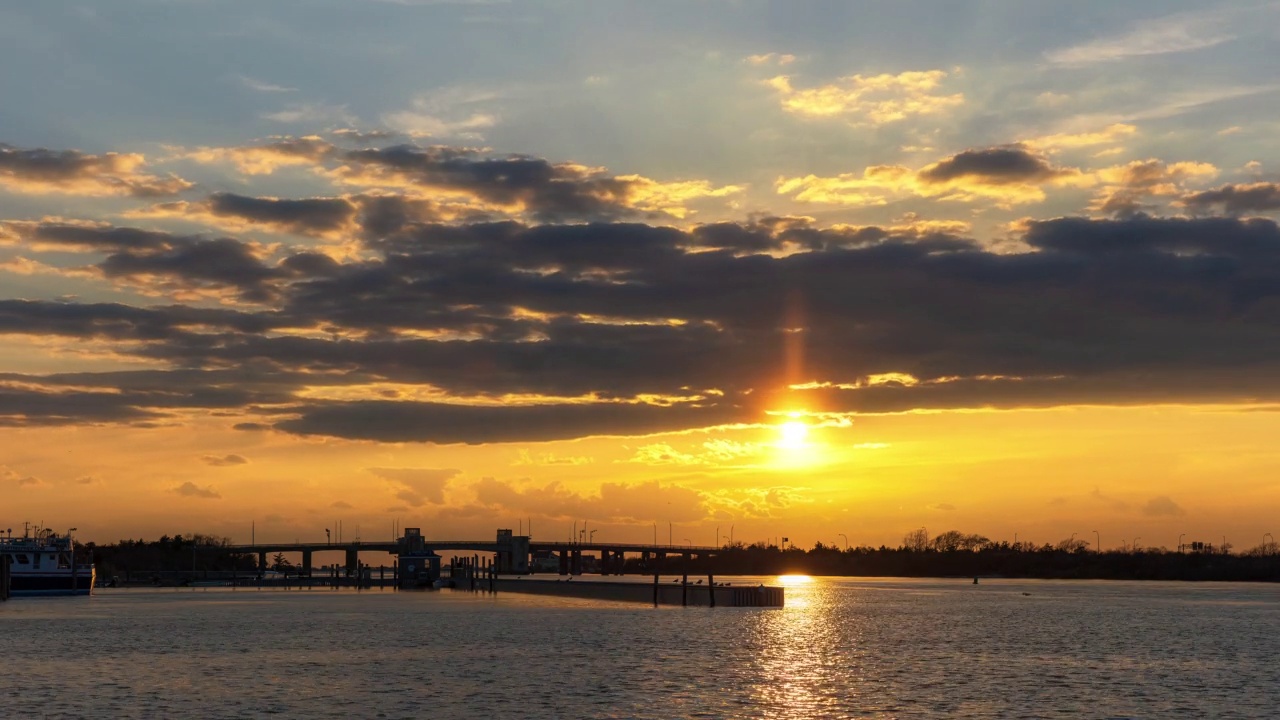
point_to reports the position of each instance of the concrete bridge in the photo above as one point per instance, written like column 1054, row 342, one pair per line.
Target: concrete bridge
column 511, row 552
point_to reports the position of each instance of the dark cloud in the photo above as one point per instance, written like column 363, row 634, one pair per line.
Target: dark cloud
column 1236, row 199
column 312, row 215
column 997, row 166
column 75, row 172
column 626, row 328
column 223, row 262
column 441, row 423
column 90, row 238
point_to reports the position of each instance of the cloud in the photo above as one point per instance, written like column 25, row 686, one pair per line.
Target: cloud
column 190, row 489
column 615, row 502
column 340, row 505
column 1110, row 135
column 229, row 211
column 417, row 486
column 420, row 124
column 71, row 172
column 264, row 87
column 435, row 325
column 1008, row 175
column 779, row 59
column 312, row 114
column 1127, row 188
column 943, row 507
column 874, row 99
column 1162, row 506
column 1235, row 199
column 223, row 460
column 459, row 177
column 1183, row 32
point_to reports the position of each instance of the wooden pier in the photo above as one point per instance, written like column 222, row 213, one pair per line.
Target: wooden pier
column 663, row 593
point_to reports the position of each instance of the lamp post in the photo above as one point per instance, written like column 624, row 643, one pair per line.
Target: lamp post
column 1098, row 535
column 1135, row 543
column 688, row 542
column 846, row 541
column 1180, row 536
column 1264, row 540
column 591, row 537
column 327, row 540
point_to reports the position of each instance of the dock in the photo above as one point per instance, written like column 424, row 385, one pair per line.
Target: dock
column 661, row 593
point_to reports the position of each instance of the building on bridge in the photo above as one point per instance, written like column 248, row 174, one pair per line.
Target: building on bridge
column 513, row 553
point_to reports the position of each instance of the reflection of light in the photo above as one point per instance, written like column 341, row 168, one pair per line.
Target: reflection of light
column 793, row 580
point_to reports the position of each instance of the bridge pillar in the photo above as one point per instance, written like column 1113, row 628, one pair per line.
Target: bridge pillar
column 262, row 563
column 575, row 563
column 564, row 562
column 353, row 562
column 306, row 563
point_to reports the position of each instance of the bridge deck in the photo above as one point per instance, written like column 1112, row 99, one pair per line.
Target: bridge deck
column 476, row 545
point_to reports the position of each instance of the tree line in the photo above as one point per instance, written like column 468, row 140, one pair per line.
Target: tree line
column 958, row 554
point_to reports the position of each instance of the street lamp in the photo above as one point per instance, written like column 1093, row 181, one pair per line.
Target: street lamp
column 1180, row 536
column 1099, row 537
column 326, row 537
column 1135, row 543
column 591, row 537
column 846, row 540
column 688, row 542
column 1264, row 540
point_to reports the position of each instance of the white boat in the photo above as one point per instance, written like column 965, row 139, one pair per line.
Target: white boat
column 42, row 562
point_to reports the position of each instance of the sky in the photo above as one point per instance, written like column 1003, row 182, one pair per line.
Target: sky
column 690, row 271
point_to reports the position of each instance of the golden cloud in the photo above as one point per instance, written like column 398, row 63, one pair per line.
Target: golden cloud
column 877, row 99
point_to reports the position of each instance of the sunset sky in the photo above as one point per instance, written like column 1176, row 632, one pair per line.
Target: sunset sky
column 672, row 268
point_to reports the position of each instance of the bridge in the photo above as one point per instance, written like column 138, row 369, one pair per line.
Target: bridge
column 512, row 552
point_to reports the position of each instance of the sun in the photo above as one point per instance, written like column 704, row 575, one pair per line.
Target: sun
column 793, row 435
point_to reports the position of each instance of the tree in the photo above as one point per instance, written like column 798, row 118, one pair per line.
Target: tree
column 1072, row 545
column 280, row 564
column 916, row 540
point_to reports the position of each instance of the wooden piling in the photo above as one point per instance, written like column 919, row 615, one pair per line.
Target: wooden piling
column 655, row 589
column 684, row 590
column 6, row 576
column 711, row 588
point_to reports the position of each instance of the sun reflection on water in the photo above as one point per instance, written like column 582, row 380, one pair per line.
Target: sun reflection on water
column 798, row 655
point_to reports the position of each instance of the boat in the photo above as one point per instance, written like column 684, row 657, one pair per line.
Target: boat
column 41, row 562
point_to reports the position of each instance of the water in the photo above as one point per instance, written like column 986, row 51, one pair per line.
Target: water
column 842, row 648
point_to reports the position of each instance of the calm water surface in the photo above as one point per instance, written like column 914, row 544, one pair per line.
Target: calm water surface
column 841, row 648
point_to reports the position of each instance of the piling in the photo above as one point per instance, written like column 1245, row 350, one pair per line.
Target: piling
column 711, row 588
column 684, row 590
column 6, row 576
column 655, row 589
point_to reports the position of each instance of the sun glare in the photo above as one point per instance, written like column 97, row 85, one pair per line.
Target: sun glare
column 793, row 434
